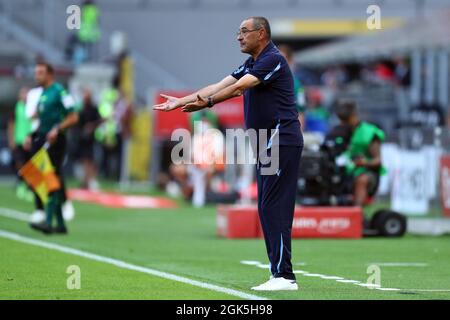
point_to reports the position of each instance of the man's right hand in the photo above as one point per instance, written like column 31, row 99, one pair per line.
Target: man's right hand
column 171, row 103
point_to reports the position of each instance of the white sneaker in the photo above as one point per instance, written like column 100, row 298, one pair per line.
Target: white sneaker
column 68, row 211
column 277, row 284
column 93, row 185
column 173, row 189
column 37, row 216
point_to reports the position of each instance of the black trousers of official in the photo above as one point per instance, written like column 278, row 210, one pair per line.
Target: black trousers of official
column 56, row 153
column 276, row 203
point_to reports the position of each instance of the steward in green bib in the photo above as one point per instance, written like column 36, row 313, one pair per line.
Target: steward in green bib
column 364, row 152
column 89, row 30
column 19, row 127
column 89, row 33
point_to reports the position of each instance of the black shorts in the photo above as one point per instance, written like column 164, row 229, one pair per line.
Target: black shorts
column 85, row 150
column 374, row 182
column 56, row 151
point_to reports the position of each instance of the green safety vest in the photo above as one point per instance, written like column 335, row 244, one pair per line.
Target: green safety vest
column 360, row 141
column 89, row 29
column 208, row 114
column 299, row 95
column 22, row 125
column 106, row 132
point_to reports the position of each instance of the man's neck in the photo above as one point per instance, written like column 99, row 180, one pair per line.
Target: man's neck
column 260, row 49
column 355, row 123
column 48, row 84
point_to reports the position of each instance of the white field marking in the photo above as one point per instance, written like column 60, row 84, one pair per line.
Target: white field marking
column 413, row 290
column 259, row 264
column 427, row 290
column 365, row 285
column 400, row 264
column 368, row 285
column 13, row 214
column 332, row 278
column 387, row 289
column 348, row 281
column 125, row 265
column 359, row 283
column 250, row 262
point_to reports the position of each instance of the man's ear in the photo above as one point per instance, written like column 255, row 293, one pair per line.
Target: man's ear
column 261, row 35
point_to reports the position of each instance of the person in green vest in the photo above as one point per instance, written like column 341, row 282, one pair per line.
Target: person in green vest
column 19, row 127
column 89, row 32
column 106, row 133
column 363, row 152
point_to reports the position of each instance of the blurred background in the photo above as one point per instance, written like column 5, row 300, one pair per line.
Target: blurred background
column 128, row 52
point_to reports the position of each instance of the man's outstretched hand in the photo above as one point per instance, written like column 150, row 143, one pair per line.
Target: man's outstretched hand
column 171, row 103
column 195, row 106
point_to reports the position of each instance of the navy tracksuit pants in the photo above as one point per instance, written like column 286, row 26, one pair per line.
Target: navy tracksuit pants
column 276, row 202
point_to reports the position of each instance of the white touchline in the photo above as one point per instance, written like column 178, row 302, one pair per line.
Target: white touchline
column 14, row 214
column 387, row 289
column 356, row 282
column 250, row 262
column 125, row 265
column 427, row 290
column 347, row 281
column 399, row 264
column 368, row 285
column 332, row 278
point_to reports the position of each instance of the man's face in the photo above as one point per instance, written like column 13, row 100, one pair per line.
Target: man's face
column 348, row 121
column 41, row 74
column 248, row 37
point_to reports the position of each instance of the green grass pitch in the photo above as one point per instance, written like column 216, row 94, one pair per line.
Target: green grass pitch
column 183, row 242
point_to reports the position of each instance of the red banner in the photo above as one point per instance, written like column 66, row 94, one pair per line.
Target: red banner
column 445, row 184
column 327, row 222
column 117, row 200
column 309, row 222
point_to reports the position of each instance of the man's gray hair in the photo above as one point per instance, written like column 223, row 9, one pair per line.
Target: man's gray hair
column 261, row 22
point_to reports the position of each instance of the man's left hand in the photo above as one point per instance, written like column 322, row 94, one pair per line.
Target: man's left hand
column 52, row 135
column 360, row 162
column 195, row 106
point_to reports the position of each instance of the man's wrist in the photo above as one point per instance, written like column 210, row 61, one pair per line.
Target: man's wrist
column 57, row 128
column 210, row 102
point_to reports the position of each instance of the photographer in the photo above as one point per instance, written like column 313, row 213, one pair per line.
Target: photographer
column 363, row 151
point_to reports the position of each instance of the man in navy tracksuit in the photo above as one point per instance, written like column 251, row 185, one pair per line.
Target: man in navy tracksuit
column 267, row 84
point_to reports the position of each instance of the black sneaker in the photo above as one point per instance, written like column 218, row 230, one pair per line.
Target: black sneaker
column 43, row 227
column 60, row 230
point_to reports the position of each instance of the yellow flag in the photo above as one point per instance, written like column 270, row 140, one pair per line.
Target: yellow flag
column 40, row 174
